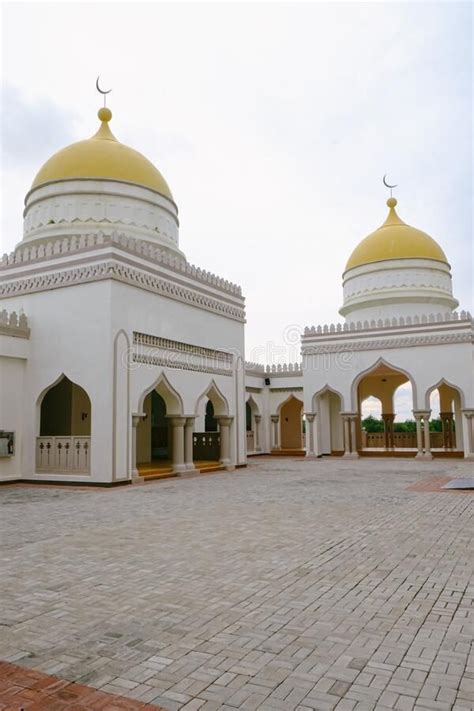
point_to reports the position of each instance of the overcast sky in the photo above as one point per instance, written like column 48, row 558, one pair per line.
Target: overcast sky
column 272, row 123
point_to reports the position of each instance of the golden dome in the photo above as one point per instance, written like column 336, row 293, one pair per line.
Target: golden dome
column 395, row 240
column 102, row 157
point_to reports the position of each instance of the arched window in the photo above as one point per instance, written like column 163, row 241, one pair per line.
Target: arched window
column 65, row 411
column 210, row 420
column 248, row 417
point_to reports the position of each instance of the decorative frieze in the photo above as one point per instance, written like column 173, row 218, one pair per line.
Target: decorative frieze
column 388, row 343
column 156, row 351
column 119, row 272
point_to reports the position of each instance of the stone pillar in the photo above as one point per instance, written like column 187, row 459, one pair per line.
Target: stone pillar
column 276, row 438
column 188, row 443
column 258, row 419
column 419, row 434
column 447, row 420
column 177, row 429
column 224, row 428
column 388, row 419
column 136, row 417
column 354, row 452
column 469, row 437
column 310, row 448
column 426, row 427
column 347, row 436
column 423, row 433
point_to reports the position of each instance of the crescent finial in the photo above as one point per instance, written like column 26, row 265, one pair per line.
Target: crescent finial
column 102, row 91
column 387, row 185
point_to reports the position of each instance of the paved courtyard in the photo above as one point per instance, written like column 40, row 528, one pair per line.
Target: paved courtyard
column 292, row 584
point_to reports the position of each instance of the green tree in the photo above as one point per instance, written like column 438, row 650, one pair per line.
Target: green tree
column 372, row 424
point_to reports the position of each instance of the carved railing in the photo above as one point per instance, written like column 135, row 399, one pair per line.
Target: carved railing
column 69, row 245
column 63, row 454
column 250, row 441
column 404, row 440
column 387, row 323
column 206, row 446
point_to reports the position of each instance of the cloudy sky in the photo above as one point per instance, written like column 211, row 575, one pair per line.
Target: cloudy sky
column 273, row 123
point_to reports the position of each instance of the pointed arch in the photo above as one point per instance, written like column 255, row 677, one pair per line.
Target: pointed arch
column 219, row 402
column 253, row 404
column 172, row 398
column 322, row 391
column 63, row 409
column 380, row 361
column 448, row 384
column 290, row 397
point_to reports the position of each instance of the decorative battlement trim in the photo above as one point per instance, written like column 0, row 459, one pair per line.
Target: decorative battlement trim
column 287, row 368
column 70, row 245
column 298, row 388
column 13, row 324
column 414, row 321
column 281, row 368
column 119, row 272
column 146, row 339
column 254, row 367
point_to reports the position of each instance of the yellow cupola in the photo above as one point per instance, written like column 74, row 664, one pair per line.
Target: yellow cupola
column 102, row 157
column 395, row 240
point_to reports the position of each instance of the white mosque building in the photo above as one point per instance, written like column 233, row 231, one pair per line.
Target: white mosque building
column 120, row 361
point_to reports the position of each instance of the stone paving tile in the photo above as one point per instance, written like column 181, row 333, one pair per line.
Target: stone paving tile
column 294, row 584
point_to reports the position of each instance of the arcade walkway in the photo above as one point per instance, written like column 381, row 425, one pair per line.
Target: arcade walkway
column 294, row 584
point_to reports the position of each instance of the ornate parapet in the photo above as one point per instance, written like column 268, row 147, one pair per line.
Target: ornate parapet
column 388, row 323
column 12, row 324
column 68, row 246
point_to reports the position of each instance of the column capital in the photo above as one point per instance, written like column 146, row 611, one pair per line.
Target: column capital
column 349, row 415
column 177, row 420
column 189, row 420
column 225, row 421
column 421, row 413
column 389, row 416
column 136, row 417
column 310, row 416
column 258, row 418
column 468, row 412
column 275, row 418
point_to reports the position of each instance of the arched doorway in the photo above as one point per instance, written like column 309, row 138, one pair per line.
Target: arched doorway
column 252, row 426
column 446, row 424
column 159, row 432
column 327, row 405
column 63, row 444
column 391, row 425
column 153, row 441
column 291, row 424
column 211, row 437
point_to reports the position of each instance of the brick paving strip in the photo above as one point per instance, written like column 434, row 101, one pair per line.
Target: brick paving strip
column 290, row 586
column 29, row 690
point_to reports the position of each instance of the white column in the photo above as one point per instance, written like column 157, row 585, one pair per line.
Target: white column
column 224, row 429
column 419, row 434
column 426, row 428
column 188, row 443
column 350, row 436
column 354, row 452
column 177, row 428
column 258, row 419
column 275, row 420
column 347, row 436
column 136, row 417
column 310, row 451
column 468, row 436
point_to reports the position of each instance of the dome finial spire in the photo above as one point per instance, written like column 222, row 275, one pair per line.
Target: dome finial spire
column 387, row 185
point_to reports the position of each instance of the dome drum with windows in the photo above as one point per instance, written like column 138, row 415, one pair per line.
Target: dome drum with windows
column 101, row 184
column 397, row 268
